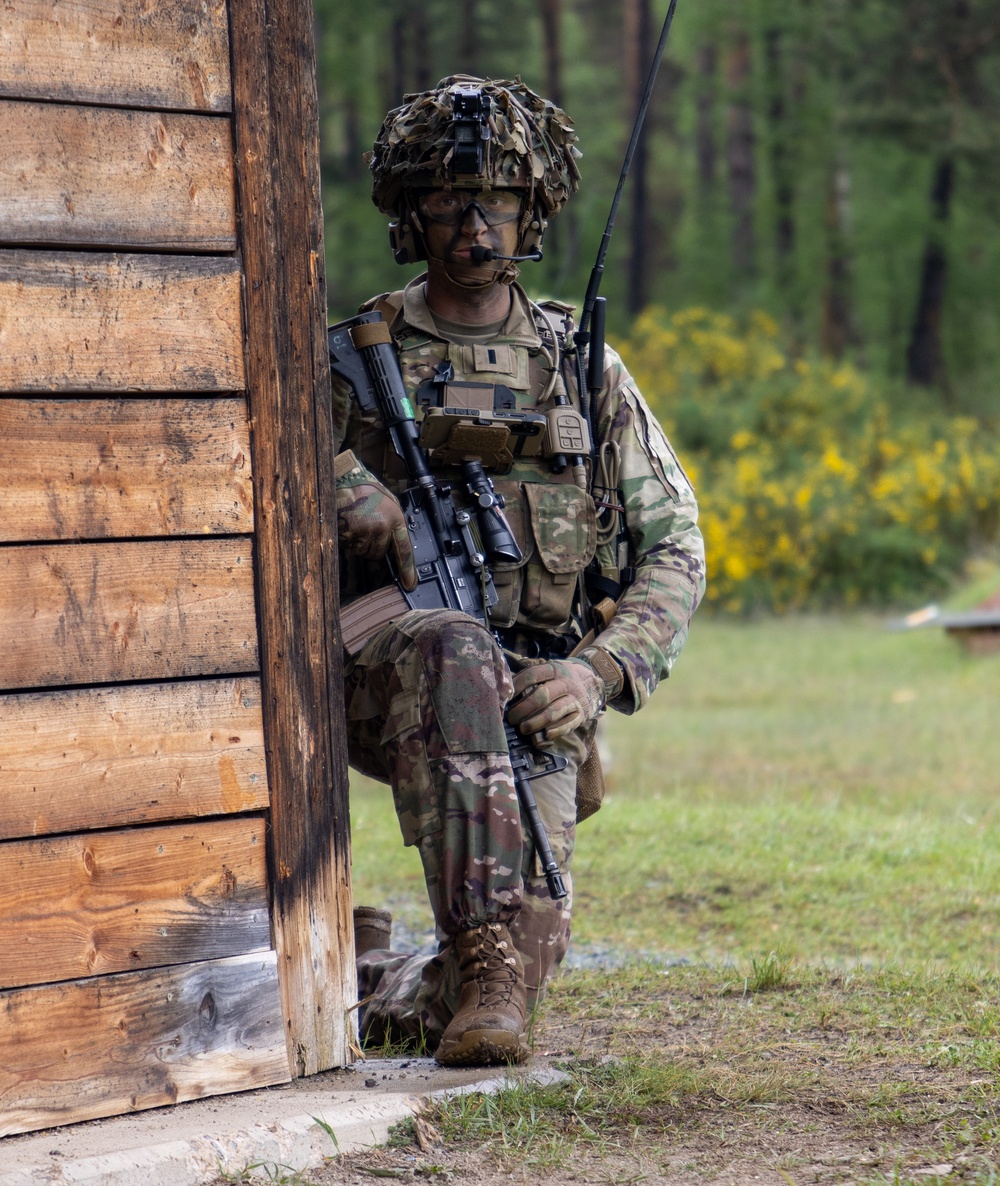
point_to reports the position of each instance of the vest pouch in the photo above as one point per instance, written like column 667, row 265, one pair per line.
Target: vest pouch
column 564, row 526
column 508, row 579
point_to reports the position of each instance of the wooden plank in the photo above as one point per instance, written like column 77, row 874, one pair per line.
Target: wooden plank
column 95, row 469
column 107, row 757
column 174, row 53
column 104, row 178
column 103, row 902
column 111, row 613
column 114, row 1044
column 276, row 128
column 88, row 321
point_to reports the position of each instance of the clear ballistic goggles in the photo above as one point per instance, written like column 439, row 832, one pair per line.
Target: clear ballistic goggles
column 450, row 206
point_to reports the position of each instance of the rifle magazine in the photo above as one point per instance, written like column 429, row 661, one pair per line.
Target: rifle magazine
column 360, row 619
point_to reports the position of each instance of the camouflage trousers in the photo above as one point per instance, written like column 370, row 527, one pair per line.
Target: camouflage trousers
column 425, row 701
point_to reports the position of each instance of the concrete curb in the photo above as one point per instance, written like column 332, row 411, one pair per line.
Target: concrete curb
column 287, row 1143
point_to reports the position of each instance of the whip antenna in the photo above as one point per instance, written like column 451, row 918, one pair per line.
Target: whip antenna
column 582, row 335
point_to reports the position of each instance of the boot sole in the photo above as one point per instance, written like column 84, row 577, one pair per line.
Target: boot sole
column 482, row 1048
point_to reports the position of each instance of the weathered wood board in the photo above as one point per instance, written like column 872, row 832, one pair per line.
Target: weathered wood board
column 171, row 53
column 107, row 757
column 87, row 905
column 120, row 179
column 116, row 612
column 276, row 127
column 89, row 322
column 96, row 469
column 114, row 1044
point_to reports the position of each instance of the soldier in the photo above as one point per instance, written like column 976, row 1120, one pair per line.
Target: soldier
column 470, row 173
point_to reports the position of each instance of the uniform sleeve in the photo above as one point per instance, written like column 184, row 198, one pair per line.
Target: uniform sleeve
column 661, row 517
column 341, row 400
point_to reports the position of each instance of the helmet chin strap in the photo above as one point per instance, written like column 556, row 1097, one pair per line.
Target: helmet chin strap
column 463, row 277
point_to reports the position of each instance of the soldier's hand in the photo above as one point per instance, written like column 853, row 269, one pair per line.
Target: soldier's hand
column 370, row 521
column 556, row 697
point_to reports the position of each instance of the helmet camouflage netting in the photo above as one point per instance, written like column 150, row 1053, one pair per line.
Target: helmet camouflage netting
column 532, row 145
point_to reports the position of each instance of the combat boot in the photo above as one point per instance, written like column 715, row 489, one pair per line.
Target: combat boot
column 489, row 1026
column 372, row 929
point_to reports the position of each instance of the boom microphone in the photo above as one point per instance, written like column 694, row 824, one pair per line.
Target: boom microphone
column 486, row 255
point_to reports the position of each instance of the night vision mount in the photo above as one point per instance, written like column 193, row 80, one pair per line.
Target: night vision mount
column 471, row 131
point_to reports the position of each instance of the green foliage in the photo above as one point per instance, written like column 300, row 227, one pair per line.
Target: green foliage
column 814, row 488
column 851, row 106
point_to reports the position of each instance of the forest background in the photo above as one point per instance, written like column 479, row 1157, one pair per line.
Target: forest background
column 803, row 277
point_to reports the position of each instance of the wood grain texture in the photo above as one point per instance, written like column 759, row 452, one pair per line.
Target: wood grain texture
column 118, row 179
column 86, row 905
column 277, row 151
column 98, row 469
column 114, row 1044
column 107, row 757
column 172, row 53
column 88, row 322
column 110, row 613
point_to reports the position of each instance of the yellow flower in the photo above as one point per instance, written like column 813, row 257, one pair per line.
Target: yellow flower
column 735, row 567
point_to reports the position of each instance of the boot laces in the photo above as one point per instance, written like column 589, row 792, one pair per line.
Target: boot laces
column 498, row 975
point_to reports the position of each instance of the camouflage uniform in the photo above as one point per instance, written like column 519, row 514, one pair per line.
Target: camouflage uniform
column 425, row 696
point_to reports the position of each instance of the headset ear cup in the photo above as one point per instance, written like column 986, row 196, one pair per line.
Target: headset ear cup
column 406, row 244
column 534, row 232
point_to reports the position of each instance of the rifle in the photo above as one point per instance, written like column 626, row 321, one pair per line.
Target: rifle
column 453, row 565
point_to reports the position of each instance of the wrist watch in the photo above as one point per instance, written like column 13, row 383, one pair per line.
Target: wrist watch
column 607, row 668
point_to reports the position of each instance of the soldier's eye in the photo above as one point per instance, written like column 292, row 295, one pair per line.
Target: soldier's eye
column 441, row 202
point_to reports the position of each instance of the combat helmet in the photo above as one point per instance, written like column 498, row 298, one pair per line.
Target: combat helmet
column 473, row 133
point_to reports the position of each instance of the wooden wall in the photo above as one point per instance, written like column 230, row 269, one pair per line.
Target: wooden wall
column 174, row 901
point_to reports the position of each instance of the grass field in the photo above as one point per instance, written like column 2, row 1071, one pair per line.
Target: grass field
column 796, row 877
column 816, row 786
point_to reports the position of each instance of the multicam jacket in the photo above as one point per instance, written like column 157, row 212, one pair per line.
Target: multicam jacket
column 554, row 520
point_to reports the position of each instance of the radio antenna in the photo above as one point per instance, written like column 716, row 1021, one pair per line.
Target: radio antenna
column 582, row 335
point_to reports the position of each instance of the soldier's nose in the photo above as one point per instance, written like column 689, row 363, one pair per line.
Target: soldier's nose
column 473, row 221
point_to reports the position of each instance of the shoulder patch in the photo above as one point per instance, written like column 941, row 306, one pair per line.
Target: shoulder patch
column 658, row 448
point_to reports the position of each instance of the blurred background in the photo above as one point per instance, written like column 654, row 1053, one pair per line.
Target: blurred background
column 804, row 272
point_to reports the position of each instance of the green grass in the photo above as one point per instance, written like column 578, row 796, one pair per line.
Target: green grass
column 814, row 786
column 809, row 813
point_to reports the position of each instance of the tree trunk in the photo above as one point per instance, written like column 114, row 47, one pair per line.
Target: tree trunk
column 837, row 328
column 638, row 24
column 551, row 12
column 423, row 73
column 397, row 61
column 353, row 152
column 782, row 166
column 740, row 157
column 706, row 152
column 562, row 237
column 410, row 66
column 924, row 355
column 468, row 39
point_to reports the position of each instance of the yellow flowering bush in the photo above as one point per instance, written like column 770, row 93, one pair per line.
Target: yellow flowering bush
column 813, row 489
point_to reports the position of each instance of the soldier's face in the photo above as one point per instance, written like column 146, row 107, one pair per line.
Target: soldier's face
column 455, row 222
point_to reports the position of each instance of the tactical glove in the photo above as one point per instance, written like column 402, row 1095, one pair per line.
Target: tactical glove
column 370, row 520
column 556, row 697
